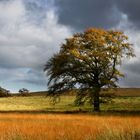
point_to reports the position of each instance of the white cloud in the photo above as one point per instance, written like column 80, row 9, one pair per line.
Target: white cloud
column 25, row 44
column 11, row 11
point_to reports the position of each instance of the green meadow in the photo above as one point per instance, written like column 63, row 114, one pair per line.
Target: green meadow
column 66, row 104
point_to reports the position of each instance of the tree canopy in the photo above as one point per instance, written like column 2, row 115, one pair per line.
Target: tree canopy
column 88, row 61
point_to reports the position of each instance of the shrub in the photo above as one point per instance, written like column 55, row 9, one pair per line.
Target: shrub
column 4, row 92
column 24, row 92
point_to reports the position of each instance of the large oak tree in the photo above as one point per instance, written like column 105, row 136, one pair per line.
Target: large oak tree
column 88, row 61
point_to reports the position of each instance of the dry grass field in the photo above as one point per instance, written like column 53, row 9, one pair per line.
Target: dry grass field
column 68, row 127
column 28, row 118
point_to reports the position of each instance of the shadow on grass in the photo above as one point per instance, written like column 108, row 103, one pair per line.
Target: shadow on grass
column 110, row 112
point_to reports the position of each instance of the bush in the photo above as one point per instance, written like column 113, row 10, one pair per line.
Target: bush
column 4, row 92
column 24, row 92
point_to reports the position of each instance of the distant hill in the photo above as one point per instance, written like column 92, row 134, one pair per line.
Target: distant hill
column 123, row 92
column 128, row 92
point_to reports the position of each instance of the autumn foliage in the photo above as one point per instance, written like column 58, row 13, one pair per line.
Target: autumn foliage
column 88, row 61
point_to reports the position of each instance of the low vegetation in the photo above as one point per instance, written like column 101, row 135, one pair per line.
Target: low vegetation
column 66, row 104
column 4, row 92
column 24, row 92
column 68, row 127
column 35, row 118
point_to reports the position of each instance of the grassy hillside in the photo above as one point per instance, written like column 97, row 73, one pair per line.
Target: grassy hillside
column 42, row 103
column 131, row 92
column 127, row 99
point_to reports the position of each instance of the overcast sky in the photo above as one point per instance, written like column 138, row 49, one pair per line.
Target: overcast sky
column 31, row 31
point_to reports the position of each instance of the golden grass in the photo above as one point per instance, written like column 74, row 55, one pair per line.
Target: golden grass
column 64, row 127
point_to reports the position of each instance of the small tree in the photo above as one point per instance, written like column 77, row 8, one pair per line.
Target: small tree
column 88, row 61
column 24, row 92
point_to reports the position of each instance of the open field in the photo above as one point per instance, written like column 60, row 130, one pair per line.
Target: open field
column 68, row 127
column 34, row 118
column 128, row 92
column 42, row 103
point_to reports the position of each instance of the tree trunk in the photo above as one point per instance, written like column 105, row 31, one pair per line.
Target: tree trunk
column 96, row 99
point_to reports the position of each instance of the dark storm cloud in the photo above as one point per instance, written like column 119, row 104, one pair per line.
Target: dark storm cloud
column 133, row 68
column 31, row 30
column 86, row 13
column 132, row 9
column 132, row 74
column 131, row 79
column 80, row 14
column 120, row 14
column 32, row 76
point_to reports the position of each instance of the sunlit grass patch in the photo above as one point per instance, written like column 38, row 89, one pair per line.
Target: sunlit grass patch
column 68, row 127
